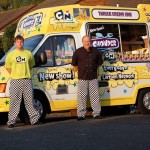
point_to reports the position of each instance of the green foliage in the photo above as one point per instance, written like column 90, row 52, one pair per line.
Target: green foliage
column 8, row 37
column 16, row 4
column 36, row 1
column 13, row 4
column 1, row 49
column 29, row 2
column 5, row 4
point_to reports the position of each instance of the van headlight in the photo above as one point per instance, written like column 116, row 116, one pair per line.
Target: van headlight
column 2, row 87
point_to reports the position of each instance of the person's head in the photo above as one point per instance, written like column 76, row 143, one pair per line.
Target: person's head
column 86, row 41
column 19, row 42
column 49, row 53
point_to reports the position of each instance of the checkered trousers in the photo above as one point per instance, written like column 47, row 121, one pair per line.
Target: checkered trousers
column 91, row 88
column 19, row 88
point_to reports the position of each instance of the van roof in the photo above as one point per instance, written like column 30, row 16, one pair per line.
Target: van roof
column 70, row 18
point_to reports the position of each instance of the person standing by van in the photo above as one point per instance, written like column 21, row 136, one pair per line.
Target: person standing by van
column 87, row 60
column 19, row 63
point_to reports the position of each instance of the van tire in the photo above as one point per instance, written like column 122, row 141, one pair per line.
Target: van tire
column 38, row 104
column 3, row 117
column 143, row 105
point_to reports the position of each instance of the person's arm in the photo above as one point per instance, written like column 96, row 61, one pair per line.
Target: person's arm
column 75, row 61
column 75, row 68
column 32, row 61
column 99, row 59
column 8, row 64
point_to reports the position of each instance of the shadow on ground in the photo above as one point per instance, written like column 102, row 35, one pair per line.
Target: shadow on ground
column 106, row 112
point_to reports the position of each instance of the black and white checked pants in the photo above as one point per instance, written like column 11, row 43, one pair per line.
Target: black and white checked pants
column 19, row 88
column 90, row 87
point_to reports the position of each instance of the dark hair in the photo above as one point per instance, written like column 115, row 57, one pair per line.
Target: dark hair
column 18, row 37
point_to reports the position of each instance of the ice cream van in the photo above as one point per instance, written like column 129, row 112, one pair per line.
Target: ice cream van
column 53, row 34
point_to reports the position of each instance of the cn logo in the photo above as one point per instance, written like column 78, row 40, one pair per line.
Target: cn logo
column 109, row 55
column 20, row 59
column 66, row 16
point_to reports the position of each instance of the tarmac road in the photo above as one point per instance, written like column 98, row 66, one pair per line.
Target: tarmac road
column 125, row 132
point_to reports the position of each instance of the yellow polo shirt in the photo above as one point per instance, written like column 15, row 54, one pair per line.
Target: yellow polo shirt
column 20, row 63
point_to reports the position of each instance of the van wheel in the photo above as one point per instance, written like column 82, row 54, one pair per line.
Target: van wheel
column 3, row 117
column 144, row 101
column 38, row 104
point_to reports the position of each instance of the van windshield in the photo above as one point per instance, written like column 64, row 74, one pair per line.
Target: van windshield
column 29, row 44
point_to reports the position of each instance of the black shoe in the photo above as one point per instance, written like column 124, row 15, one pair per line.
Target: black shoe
column 80, row 118
column 11, row 126
column 37, row 123
column 98, row 117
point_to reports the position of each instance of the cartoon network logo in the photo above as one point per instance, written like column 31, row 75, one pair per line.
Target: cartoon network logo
column 61, row 15
column 20, row 59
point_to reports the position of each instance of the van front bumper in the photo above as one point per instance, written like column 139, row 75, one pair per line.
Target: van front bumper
column 4, row 104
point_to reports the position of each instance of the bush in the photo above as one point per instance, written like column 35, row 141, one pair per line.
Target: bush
column 1, row 49
column 8, row 37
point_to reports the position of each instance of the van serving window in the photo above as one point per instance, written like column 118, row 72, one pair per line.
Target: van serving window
column 134, row 42
column 125, row 42
column 105, row 37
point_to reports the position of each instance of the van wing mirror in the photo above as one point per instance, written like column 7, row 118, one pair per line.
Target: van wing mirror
column 41, row 58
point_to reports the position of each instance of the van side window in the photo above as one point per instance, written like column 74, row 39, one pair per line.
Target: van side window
column 64, row 47
column 105, row 37
column 134, row 42
column 120, row 42
column 47, row 48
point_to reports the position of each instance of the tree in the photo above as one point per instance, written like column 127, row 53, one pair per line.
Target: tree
column 36, row 1
column 16, row 4
column 5, row 4
column 8, row 37
column 1, row 49
column 13, row 4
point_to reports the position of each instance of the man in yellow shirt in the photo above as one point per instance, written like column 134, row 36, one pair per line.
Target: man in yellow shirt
column 19, row 63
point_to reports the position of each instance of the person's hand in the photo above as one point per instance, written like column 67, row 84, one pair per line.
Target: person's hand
column 76, row 68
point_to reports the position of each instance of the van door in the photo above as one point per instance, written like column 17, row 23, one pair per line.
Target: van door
column 57, row 77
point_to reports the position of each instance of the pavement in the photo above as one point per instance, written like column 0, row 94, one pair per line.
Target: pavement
column 122, row 132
